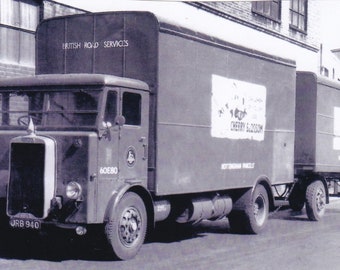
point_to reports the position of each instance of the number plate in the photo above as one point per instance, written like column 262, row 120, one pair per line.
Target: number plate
column 25, row 223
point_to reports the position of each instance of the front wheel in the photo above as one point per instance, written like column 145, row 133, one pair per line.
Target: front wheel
column 127, row 229
column 315, row 200
column 254, row 215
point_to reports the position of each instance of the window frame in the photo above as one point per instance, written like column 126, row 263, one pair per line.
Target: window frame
column 18, row 103
column 17, row 28
column 258, row 7
column 108, row 102
column 301, row 11
column 17, row 20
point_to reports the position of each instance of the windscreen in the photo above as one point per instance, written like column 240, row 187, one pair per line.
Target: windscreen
column 49, row 109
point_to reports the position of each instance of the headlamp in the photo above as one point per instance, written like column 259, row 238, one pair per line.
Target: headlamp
column 73, row 190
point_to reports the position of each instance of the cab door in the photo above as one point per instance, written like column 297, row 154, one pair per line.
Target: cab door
column 133, row 139
column 108, row 171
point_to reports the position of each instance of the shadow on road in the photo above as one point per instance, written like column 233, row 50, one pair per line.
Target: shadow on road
column 286, row 213
column 61, row 245
column 174, row 232
column 55, row 246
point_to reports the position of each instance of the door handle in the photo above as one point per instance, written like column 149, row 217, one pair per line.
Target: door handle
column 145, row 148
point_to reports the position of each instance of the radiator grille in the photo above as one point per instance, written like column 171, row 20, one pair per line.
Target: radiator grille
column 26, row 184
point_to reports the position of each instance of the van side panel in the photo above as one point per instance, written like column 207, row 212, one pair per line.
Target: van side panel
column 305, row 122
column 220, row 115
column 317, row 127
column 190, row 157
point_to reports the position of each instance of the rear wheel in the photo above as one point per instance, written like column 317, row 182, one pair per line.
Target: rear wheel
column 315, row 200
column 253, row 215
column 127, row 229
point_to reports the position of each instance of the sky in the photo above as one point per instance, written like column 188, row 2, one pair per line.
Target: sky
column 330, row 22
column 329, row 13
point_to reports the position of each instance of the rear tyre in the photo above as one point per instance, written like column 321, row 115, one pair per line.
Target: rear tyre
column 127, row 229
column 315, row 200
column 254, row 215
column 296, row 199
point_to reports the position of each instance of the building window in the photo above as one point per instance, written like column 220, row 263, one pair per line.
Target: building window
column 269, row 9
column 23, row 14
column 298, row 15
column 18, row 21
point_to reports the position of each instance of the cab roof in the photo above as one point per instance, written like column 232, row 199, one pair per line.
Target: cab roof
column 83, row 79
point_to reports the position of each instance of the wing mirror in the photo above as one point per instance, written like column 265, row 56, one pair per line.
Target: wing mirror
column 120, row 120
column 106, row 131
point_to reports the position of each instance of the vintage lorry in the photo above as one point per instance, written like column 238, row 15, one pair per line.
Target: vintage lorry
column 131, row 121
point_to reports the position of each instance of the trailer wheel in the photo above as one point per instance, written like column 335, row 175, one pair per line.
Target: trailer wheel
column 296, row 199
column 127, row 229
column 254, row 215
column 315, row 200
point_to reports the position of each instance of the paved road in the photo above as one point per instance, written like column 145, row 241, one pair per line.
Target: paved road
column 290, row 241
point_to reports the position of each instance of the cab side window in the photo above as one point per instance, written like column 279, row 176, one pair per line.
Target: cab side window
column 132, row 108
column 111, row 107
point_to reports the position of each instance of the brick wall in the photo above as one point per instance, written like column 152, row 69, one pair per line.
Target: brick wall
column 241, row 12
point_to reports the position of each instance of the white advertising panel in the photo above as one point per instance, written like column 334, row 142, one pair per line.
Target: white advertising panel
column 238, row 109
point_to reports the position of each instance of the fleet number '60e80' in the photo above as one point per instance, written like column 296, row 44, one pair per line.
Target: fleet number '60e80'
column 108, row 170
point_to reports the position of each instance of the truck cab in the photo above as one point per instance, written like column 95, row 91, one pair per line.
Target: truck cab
column 73, row 140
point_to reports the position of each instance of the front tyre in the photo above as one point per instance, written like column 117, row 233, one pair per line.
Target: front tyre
column 127, row 229
column 315, row 200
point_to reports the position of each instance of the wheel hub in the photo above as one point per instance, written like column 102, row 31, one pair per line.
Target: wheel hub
column 259, row 210
column 320, row 200
column 130, row 226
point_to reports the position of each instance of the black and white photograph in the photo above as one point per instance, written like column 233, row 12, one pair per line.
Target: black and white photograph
column 153, row 134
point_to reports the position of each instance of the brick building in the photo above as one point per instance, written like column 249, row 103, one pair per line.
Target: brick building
column 284, row 28
column 296, row 23
column 18, row 22
column 293, row 21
